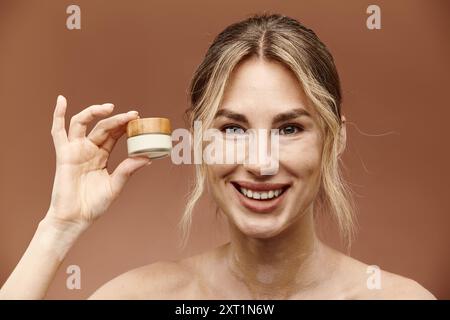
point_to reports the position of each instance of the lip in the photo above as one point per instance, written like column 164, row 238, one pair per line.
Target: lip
column 262, row 186
column 260, row 206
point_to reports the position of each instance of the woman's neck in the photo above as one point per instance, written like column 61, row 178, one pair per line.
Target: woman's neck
column 280, row 266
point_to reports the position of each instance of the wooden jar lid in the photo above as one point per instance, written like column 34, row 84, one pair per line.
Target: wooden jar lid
column 148, row 125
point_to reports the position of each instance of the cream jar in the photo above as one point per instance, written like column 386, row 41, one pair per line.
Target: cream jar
column 149, row 137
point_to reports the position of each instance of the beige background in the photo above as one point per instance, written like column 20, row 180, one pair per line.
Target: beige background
column 142, row 55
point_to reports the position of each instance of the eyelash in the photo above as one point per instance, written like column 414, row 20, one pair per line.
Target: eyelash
column 298, row 127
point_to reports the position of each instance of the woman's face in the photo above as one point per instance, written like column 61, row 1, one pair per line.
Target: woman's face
column 256, row 96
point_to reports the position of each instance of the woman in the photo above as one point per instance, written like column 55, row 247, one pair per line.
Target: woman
column 268, row 72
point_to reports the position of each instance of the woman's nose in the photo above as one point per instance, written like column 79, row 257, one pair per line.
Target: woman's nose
column 262, row 155
column 255, row 169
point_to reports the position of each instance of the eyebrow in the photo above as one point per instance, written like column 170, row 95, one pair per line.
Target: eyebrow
column 285, row 116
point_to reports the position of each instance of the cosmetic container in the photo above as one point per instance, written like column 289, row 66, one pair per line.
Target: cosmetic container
column 149, row 137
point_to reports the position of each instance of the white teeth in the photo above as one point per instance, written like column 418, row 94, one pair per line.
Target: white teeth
column 261, row 195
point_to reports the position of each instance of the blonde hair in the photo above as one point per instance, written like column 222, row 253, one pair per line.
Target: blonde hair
column 283, row 39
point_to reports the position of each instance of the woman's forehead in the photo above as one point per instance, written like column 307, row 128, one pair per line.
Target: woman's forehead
column 266, row 86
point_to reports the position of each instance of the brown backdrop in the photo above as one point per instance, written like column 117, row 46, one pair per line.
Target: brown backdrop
column 142, row 55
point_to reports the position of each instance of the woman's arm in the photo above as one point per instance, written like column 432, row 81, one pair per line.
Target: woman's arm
column 37, row 267
column 82, row 191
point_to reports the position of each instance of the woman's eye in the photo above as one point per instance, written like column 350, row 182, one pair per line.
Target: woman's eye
column 290, row 129
column 233, row 130
column 286, row 130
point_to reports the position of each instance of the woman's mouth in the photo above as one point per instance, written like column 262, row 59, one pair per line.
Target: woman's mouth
column 263, row 195
column 260, row 197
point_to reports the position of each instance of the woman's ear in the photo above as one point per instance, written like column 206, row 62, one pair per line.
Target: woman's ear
column 342, row 136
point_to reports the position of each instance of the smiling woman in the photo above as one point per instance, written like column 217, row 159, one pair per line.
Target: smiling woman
column 278, row 75
column 271, row 72
column 266, row 72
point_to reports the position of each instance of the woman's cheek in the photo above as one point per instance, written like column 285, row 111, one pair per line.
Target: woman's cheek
column 215, row 178
column 217, row 171
column 300, row 158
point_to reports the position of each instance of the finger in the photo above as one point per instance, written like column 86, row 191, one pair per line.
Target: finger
column 110, row 142
column 124, row 171
column 58, row 130
column 79, row 122
column 103, row 128
column 113, row 137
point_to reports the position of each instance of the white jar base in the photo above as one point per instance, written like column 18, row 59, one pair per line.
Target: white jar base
column 152, row 145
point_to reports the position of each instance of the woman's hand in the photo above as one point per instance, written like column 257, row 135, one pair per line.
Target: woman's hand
column 83, row 189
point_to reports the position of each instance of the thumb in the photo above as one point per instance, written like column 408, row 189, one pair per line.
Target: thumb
column 124, row 171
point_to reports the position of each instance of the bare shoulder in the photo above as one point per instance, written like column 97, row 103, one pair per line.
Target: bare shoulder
column 399, row 287
column 365, row 281
column 159, row 280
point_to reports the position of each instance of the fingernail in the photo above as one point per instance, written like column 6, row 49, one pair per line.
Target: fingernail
column 148, row 163
column 134, row 113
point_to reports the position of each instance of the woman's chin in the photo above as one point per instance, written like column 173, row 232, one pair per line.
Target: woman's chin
column 258, row 229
